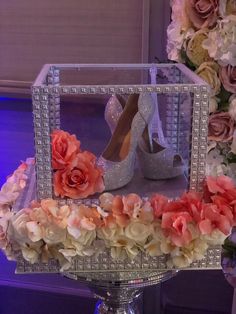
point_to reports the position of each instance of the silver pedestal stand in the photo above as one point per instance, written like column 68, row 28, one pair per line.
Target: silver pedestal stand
column 120, row 296
column 119, row 284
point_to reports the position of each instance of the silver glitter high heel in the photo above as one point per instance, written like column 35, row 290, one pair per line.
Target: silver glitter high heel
column 157, row 161
column 118, row 159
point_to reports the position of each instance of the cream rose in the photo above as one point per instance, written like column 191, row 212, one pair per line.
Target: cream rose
column 231, row 7
column 213, row 105
column 208, row 71
column 153, row 248
column 122, row 247
column 53, row 234
column 215, row 238
column 18, row 223
column 86, row 237
column 30, row 255
column 138, row 232
column 109, row 234
column 195, row 51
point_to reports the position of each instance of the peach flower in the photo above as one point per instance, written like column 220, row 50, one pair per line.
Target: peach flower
column 219, row 184
column 228, row 78
column 175, row 225
column 121, row 218
column 80, row 179
column 84, row 217
column 203, row 13
column 56, row 214
column 13, row 186
column 4, row 223
column 64, row 148
column 132, row 204
column 220, row 127
column 192, row 202
column 158, row 203
column 216, row 217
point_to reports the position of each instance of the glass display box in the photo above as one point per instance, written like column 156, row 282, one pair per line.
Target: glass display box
column 180, row 121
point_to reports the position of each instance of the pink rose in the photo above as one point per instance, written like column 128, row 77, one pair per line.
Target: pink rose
column 203, row 13
column 64, row 148
column 228, row 78
column 220, row 127
column 80, row 179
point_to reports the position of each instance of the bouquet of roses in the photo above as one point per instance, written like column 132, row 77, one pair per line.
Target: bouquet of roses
column 202, row 35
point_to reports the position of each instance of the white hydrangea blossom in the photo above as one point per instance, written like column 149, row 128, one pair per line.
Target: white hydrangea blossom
column 221, row 42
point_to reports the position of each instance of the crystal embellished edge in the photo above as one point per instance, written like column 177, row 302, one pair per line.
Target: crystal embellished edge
column 105, row 263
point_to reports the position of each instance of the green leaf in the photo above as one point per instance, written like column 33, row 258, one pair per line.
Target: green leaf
column 188, row 62
column 224, row 95
column 231, row 158
column 223, row 106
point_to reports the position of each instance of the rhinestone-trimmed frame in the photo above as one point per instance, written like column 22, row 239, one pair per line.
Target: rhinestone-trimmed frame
column 46, row 92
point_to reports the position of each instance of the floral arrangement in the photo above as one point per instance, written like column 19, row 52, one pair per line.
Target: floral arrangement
column 76, row 174
column 125, row 225
column 202, row 35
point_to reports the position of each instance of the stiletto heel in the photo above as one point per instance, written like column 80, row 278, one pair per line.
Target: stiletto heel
column 156, row 160
column 118, row 159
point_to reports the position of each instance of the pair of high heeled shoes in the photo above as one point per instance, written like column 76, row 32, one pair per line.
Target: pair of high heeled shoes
column 129, row 124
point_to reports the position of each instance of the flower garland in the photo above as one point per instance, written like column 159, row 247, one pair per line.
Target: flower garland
column 202, row 35
column 126, row 225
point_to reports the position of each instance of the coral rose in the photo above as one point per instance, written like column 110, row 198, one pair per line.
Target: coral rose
column 80, row 178
column 208, row 71
column 220, row 127
column 203, row 13
column 175, row 225
column 228, row 78
column 216, row 217
column 64, row 148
